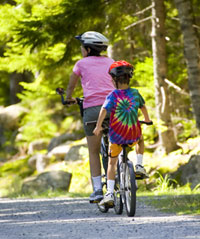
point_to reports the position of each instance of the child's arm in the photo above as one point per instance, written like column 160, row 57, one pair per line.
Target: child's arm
column 145, row 113
column 102, row 116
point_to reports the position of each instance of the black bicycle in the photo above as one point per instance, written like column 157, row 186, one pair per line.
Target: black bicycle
column 104, row 140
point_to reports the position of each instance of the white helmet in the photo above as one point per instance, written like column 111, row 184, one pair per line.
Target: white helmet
column 94, row 40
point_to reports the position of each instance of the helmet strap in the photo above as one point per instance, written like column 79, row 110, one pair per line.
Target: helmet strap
column 117, row 85
column 116, row 82
column 88, row 50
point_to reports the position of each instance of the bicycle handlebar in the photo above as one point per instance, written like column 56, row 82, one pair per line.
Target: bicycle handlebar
column 79, row 101
column 61, row 92
column 144, row 122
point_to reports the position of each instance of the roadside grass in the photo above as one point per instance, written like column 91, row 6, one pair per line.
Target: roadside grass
column 178, row 200
column 178, row 204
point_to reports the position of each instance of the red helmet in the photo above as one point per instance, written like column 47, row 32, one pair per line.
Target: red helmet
column 120, row 68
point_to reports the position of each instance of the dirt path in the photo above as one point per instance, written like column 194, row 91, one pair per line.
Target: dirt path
column 77, row 219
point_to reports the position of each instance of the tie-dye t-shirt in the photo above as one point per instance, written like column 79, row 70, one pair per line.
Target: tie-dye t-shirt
column 123, row 106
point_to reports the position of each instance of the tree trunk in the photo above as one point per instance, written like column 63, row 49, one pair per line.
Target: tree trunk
column 15, row 87
column 166, row 133
column 192, row 53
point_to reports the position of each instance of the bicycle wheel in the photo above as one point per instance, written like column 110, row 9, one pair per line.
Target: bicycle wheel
column 103, row 208
column 117, row 196
column 130, row 189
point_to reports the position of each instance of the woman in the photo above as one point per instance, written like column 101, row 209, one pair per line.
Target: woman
column 97, row 84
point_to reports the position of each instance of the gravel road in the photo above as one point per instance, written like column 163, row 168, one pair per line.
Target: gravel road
column 77, row 219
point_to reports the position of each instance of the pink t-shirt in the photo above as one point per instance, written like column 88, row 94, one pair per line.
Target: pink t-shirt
column 95, row 80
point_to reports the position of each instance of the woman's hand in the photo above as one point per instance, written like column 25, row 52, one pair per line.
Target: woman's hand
column 71, row 101
column 97, row 130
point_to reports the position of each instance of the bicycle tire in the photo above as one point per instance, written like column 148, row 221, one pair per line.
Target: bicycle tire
column 130, row 189
column 118, row 205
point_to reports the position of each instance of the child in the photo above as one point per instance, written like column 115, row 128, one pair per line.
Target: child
column 122, row 104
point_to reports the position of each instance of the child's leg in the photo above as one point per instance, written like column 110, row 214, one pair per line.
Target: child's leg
column 139, row 158
column 114, row 151
column 109, row 197
column 140, row 151
column 112, row 165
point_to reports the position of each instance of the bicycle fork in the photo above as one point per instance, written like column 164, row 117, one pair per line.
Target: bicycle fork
column 122, row 174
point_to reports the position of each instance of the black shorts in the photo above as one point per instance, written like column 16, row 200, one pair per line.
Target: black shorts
column 91, row 114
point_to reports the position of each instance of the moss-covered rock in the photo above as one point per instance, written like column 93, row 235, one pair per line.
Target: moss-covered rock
column 189, row 172
column 53, row 180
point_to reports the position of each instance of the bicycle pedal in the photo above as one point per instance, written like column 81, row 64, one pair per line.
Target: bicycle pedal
column 141, row 176
column 95, row 201
column 109, row 204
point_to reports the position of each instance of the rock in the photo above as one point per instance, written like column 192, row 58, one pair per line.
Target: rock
column 38, row 162
column 36, row 146
column 60, row 151
column 2, row 137
column 62, row 139
column 9, row 116
column 70, row 151
column 189, row 172
column 53, row 180
column 76, row 152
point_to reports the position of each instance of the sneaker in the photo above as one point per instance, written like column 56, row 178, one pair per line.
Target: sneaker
column 108, row 200
column 96, row 196
column 140, row 171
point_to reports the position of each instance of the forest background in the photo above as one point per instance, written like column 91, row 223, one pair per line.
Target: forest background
column 37, row 54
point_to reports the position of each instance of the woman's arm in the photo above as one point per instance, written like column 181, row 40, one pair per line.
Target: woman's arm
column 72, row 83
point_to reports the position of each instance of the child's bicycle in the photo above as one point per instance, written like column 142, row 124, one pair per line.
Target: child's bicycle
column 125, row 183
column 125, row 180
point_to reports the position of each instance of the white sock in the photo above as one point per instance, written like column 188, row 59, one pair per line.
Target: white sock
column 110, row 186
column 96, row 183
column 139, row 159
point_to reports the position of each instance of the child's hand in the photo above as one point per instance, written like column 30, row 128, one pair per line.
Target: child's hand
column 97, row 130
column 149, row 122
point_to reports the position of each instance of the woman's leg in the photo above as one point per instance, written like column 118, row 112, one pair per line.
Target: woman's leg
column 94, row 144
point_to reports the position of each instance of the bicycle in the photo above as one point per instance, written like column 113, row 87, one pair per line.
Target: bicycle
column 125, row 184
column 104, row 140
column 125, row 180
